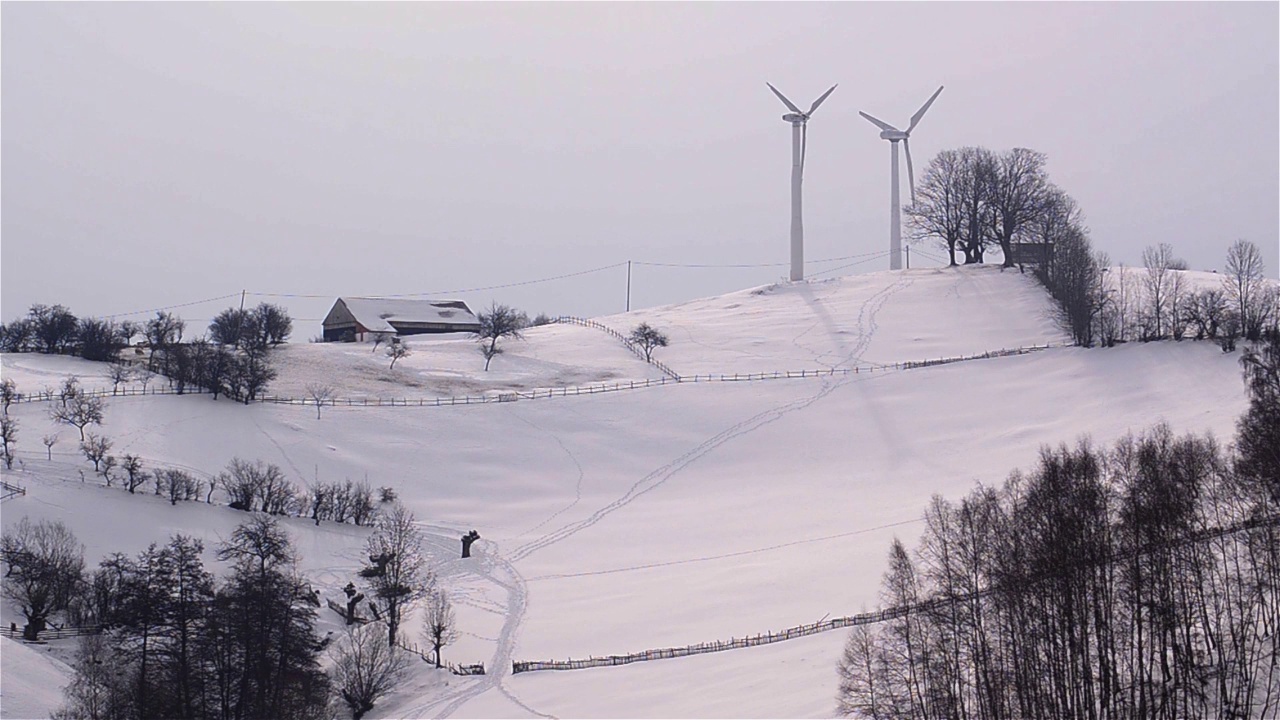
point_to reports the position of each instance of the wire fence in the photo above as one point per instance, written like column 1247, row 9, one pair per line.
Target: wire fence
column 878, row 616
column 639, row 352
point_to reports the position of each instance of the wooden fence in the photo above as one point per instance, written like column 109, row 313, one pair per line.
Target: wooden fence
column 428, row 655
column 55, row 634
column 877, row 616
column 626, row 341
column 50, row 396
column 7, row 490
column 545, row 393
column 671, row 377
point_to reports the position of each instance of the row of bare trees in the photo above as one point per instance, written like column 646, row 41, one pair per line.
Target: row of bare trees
column 1158, row 302
column 973, row 199
column 1141, row 581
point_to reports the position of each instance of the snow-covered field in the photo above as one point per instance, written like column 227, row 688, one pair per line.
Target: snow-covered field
column 657, row 517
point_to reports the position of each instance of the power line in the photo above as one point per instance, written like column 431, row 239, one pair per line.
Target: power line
column 750, row 265
column 522, row 283
column 462, row 290
column 877, row 256
column 172, row 307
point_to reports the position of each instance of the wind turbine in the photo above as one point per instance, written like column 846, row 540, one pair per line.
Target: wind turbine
column 893, row 135
column 799, row 140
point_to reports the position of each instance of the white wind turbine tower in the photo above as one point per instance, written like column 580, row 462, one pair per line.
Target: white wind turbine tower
column 799, row 139
column 893, row 135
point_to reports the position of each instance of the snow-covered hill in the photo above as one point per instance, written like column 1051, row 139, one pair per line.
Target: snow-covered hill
column 664, row 516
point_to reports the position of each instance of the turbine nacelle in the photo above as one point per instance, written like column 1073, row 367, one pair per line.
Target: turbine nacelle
column 894, row 135
column 795, row 118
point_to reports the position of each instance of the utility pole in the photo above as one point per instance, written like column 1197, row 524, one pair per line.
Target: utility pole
column 908, row 257
column 628, row 286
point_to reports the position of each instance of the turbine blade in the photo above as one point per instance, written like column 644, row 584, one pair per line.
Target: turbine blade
column 923, row 109
column 784, row 99
column 804, row 146
column 911, row 172
column 878, row 123
column 818, row 102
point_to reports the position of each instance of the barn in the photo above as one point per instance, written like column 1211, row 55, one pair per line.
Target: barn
column 358, row 318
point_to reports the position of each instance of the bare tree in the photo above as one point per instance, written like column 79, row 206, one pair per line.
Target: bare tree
column 976, row 182
column 162, row 333
column 1158, row 259
column 498, row 323
column 397, row 572
column 1243, row 281
column 320, row 394
column 8, row 393
column 396, row 351
column 144, row 377
column 938, row 208
column 119, row 372
column 44, row 568
column 8, row 439
column 441, row 627
column 174, row 485
column 49, row 441
column 366, row 667
column 648, row 338
column 379, row 337
column 95, row 691
column 1017, row 196
column 69, row 389
column 95, row 449
column 134, row 476
column 109, row 463
column 79, row 410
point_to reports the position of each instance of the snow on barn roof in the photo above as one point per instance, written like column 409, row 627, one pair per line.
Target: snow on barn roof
column 377, row 314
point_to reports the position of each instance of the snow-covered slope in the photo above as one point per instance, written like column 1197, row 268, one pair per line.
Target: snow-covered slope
column 31, row 680
column 665, row 516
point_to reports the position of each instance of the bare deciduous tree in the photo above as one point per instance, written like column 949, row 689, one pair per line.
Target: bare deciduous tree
column 8, row 393
column 8, row 439
column 498, row 323
column 647, row 338
column 1243, row 281
column 49, row 441
column 440, row 627
column 1016, row 197
column 319, row 394
column 396, row 351
column 79, row 411
column 134, row 476
column 938, row 208
column 120, row 373
column 44, row 568
column 1158, row 259
column 69, row 389
column 397, row 573
column 366, row 667
column 95, row 449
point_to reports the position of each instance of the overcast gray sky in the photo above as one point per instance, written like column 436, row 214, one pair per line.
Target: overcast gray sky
column 161, row 153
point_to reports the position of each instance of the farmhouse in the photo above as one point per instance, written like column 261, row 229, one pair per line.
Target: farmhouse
column 356, row 318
